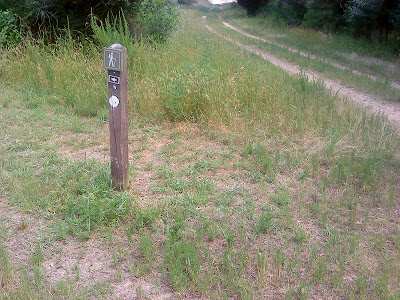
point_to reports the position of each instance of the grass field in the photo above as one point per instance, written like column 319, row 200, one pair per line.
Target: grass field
column 245, row 182
column 375, row 68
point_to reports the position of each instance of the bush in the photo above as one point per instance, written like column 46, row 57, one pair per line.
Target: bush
column 290, row 12
column 48, row 15
column 185, row 95
column 9, row 32
column 362, row 16
column 322, row 14
column 395, row 19
column 186, row 2
column 157, row 19
column 251, row 6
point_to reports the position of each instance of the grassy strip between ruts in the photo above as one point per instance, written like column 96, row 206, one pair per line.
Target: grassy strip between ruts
column 357, row 53
column 380, row 86
column 263, row 185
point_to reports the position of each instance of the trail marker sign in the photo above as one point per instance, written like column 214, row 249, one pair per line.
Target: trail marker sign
column 113, row 79
column 115, row 61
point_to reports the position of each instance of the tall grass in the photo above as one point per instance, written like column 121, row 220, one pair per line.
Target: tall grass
column 272, row 211
column 307, row 37
column 195, row 77
column 66, row 73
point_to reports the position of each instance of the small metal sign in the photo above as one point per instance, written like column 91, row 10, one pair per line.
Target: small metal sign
column 113, row 101
column 113, row 79
column 112, row 59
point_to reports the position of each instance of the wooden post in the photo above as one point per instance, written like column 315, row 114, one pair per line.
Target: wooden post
column 115, row 61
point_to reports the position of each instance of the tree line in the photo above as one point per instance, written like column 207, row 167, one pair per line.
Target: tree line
column 155, row 19
column 371, row 19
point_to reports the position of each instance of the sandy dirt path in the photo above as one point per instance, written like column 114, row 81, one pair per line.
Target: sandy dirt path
column 372, row 103
column 394, row 84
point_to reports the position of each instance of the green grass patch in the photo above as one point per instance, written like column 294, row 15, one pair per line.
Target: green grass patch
column 247, row 183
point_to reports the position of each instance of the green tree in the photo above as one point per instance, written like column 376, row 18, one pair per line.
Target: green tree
column 50, row 15
column 395, row 17
column 384, row 17
column 362, row 16
column 157, row 18
column 9, row 28
column 290, row 12
column 326, row 15
column 251, row 6
column 365, row 16
column 395, row 20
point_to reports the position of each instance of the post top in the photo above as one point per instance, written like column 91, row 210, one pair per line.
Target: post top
column 117, row 47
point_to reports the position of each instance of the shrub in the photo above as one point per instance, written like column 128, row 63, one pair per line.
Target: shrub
column 251, row 6
column 290, row 12
column 9, row 32
column 265, row 223
column 322, row 15
column 185, row 97
column 395, row 19
column 157, row 18
column 186, row 2
column 49, row 15
column 362, row 16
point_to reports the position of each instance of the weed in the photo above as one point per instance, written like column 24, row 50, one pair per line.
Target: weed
column 264, row 160
column 232, row 268
column 300, row 292
column 182, row 263
column 139, row 291
column 261, row 267
column 76, row 272
column 265, row 224
column 148, row 251
column 300, row 235
column 279, row 260
column 321, row 270
column 281, row 199
column 362, row 285
column 144, row 218
column 5, row 267
column 224, row 223
column 38, row 255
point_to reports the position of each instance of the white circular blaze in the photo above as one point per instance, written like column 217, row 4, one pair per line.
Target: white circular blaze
column 114, row 101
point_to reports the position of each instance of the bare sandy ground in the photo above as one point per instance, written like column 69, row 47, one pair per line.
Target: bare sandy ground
column 353, row 57
column 372, row 103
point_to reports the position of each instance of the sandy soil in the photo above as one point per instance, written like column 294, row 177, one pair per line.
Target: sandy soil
column 354, row 57
column 371, row 103
column 21, row 232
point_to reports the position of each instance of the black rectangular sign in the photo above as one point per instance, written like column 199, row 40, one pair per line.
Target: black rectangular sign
column 113, row 79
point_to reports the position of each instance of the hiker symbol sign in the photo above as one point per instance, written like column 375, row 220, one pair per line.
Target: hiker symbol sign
column 112, row 59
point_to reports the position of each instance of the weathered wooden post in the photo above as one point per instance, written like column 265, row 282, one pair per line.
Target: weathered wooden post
column 115, row 61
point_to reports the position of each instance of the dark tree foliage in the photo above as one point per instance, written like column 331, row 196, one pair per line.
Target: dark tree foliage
column 384, row 17
column 395, row 17
column 251, row 5
column 290, row 12
column 5, row 4
column 365, row 16
column 48, row 15
column 327, row 15
column 186, row 2
column 9, row 31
